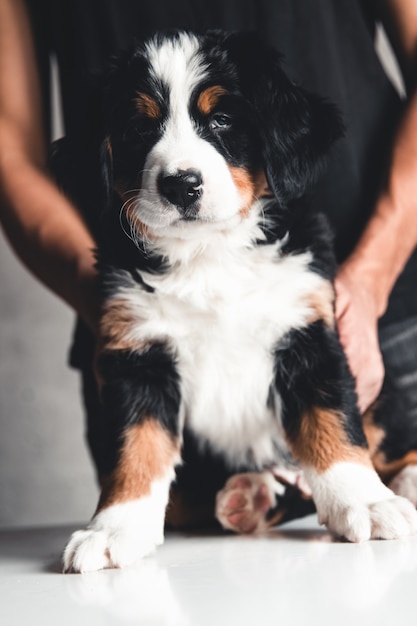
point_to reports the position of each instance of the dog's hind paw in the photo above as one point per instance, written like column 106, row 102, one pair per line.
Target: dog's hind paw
column 244, row 501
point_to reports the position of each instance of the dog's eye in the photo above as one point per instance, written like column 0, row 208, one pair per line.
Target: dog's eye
column 220, row 121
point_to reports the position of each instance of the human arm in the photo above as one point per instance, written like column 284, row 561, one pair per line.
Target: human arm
column 366, row 279
column 43, row 227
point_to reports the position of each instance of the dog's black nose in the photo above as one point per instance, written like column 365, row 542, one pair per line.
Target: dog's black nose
column 182, row 188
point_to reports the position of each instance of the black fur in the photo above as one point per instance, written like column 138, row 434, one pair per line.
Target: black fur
column 392, row 415
column 311, row 371
column 137, row 386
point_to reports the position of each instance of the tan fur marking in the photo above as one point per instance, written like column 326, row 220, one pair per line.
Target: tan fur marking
column 322, row 441
column 115, row 327
column 146, row 105
column 388, row 469
column 146, row 455
column 321, row 303
column 261, row 186
column 138, row 230
column 251, row 187
column 246, row 187
column 208, row 98
column 138, row 226
column 374, row 434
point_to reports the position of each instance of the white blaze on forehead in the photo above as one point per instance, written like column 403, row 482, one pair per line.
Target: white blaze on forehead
column 179, row 65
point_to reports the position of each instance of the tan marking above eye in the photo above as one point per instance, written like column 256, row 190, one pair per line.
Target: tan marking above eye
column 147, row 105
column 208, row 98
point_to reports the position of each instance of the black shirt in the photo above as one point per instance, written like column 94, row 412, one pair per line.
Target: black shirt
column 328, row 47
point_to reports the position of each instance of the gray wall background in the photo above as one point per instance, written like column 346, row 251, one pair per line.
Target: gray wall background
column 45, row 473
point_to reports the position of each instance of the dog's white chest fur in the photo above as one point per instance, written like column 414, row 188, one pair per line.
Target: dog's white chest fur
column 224, row 314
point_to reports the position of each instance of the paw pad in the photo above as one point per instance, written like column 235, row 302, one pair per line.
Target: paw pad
column 242, row 504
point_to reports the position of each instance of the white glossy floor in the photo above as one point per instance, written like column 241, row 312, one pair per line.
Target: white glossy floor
column 295, row 575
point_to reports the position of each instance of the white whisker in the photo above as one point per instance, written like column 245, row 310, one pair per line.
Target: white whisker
column 132, row 234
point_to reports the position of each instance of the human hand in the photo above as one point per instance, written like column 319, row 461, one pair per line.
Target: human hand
column 357, row 321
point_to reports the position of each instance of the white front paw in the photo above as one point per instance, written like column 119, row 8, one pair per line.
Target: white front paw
column 386, row 519
column 102, row 545
column 353, row 503
column 120, row 534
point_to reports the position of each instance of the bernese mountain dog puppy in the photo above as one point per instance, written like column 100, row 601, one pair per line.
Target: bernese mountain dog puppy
column 219, row 362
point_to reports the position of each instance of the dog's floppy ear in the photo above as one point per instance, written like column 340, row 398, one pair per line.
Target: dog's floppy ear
column 112, row 84
column 297, row 128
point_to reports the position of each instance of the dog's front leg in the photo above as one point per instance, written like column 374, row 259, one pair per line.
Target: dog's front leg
column 324, row 431
column 141, row 400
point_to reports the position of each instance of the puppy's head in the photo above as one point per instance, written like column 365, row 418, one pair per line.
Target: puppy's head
column 196, row 125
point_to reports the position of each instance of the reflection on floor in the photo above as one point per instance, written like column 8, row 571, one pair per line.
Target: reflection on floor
column 294, row 575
